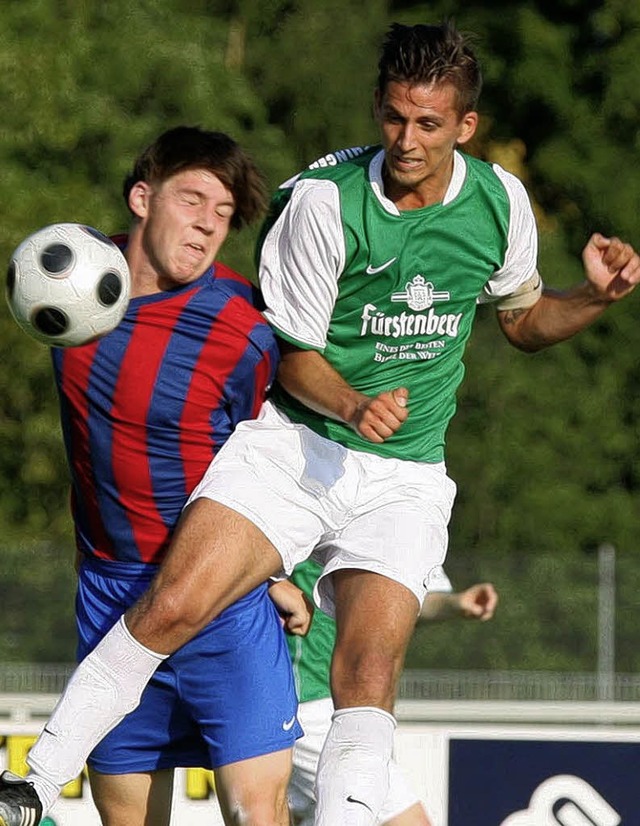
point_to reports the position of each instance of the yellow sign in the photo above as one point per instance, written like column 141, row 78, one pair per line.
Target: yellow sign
column 199, row 782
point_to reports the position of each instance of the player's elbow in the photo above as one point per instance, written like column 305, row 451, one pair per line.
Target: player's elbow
column 520, row 336
column 527, row 345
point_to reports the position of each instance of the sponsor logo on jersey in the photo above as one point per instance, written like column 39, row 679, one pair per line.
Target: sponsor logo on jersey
column 420, row 294
column 377, row 323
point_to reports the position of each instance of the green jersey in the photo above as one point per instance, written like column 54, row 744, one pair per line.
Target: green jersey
column 388, row 296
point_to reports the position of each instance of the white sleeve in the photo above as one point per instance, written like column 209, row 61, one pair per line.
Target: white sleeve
column 438, row 581
column 521, row 257
column 301, row 260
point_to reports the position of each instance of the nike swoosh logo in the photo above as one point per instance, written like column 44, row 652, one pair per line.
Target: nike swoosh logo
column 350, row 798
column 288, row 725
column 373, row 270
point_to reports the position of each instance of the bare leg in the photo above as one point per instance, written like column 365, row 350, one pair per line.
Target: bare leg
column 142, row 799
column 216, row 557
column 253, row 792
column 415, row 816
column 375, row 618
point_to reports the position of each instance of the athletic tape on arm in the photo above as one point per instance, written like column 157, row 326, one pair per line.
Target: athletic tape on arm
column 524, row 297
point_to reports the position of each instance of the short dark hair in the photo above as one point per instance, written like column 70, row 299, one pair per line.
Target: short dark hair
column 425, row 54
column 190, row 147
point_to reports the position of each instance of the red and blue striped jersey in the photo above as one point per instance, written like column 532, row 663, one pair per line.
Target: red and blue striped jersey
column 146, row 408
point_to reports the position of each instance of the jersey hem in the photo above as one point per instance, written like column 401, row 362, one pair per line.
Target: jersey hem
column 303, row 345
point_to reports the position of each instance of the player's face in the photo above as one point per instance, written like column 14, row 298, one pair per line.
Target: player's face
column 183, row 222
column 420, row 128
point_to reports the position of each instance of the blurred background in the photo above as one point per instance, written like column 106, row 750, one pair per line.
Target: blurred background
column 544, row 449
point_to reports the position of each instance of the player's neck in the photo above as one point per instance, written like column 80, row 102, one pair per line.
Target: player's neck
column 144, row 279
column 417, row 195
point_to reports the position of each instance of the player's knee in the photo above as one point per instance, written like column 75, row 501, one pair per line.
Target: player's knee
column 184, row 614
column 365, row 678
column 169, row 612
column 261, row 808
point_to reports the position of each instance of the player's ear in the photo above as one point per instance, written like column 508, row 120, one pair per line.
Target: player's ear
column 139, row 199
column 467, row 127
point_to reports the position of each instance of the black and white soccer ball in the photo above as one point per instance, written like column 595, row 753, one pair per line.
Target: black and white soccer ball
column 67, row 284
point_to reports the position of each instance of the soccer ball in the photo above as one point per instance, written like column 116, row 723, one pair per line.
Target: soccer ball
column 67, row 284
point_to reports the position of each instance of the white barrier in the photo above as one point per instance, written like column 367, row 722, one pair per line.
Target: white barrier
column 474, row 763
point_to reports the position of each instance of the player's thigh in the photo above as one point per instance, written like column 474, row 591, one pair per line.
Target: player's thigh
column 254, row 791
column 261, row 474
column 216, row 557
column 140, row 799
column 373, row 613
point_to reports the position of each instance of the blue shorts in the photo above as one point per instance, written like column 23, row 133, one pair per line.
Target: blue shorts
column 227, row 695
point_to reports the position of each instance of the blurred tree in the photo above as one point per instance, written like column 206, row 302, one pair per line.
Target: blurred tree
column 314, row 65
column 85, row 87
column 546, row 616
column 544, row 448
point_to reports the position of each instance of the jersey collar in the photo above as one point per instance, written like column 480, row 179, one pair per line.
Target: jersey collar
column 377, row 185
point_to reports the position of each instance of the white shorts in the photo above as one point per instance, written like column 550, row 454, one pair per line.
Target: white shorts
column 315, row 718
column 349, row 508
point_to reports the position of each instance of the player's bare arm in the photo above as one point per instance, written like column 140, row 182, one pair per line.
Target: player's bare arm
column 309, row 377
column 612, row 269
column 477, row 602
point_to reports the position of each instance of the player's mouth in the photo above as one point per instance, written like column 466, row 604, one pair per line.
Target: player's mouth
column 406, row 164
column 195, row 250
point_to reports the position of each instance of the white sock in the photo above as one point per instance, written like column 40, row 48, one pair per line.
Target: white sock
column 353, row 772
column 104, row 688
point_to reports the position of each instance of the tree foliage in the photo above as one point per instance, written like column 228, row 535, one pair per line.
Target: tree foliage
column 544, row 448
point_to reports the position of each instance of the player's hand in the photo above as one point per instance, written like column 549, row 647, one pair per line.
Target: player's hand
column 294, row 606
column 378, row 417
column 478, row 602
column 612, row 267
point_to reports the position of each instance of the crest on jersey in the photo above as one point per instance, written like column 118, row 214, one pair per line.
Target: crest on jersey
column 420, row 294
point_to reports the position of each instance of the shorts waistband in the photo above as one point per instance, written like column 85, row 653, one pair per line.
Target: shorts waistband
column 119, row 570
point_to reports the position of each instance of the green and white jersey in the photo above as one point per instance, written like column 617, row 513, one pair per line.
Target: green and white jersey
column 311, row 655
column 388, row 296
